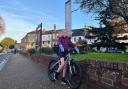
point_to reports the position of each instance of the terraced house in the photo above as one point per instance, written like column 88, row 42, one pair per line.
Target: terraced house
column 28, row 41
column 31, row 39
column 123, row 39
column 49, row 37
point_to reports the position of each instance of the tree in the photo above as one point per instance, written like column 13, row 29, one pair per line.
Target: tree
column 104, row 33
column 104, row 37
column 6, row 42
column 11, row 46
column 119, row 25
column 120, row 8
column 106, row 11
column 1, row 48
column 31, row 51
column 92, row 5
column 82, row 44
column 117, row 7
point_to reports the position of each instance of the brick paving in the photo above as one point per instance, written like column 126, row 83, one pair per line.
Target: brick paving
column 23, row 73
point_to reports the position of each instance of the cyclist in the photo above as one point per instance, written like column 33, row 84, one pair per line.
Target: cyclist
column 64, row 43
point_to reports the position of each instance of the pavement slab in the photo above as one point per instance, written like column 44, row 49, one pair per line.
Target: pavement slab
column 22, row 73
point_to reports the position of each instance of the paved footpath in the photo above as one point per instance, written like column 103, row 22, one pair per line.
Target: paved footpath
column 23, row 73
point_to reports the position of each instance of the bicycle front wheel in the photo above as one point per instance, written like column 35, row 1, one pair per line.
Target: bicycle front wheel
column 52, row 67
column 74, row 75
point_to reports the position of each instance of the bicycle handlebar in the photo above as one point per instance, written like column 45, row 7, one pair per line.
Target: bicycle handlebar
column 71, row 50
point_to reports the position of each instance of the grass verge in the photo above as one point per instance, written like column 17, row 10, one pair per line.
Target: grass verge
column 118, row 57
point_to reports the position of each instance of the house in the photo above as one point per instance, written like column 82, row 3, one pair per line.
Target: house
column 49, row 37
column 18, row 46
column 90, row 37
column 24, row 43
column 78, row 34
column 123, row 39
column 82, row 34
column 29, row 40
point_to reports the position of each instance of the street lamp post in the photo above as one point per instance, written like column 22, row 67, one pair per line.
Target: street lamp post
column 39, row 37
column 68, row 16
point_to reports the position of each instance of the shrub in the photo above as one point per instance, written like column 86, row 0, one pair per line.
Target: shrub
column 47, row 50
column 31, row 51
column 11, row 46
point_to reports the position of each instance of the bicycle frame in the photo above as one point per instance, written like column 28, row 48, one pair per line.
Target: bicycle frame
column 68, row 56
column 54, row 64
column 68, row 59
column 68, row 62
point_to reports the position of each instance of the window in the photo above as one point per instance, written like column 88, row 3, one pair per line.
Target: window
column 50, row 37
column 74, row 39
column 48, row 42
column 80, row 38
column 43, row 37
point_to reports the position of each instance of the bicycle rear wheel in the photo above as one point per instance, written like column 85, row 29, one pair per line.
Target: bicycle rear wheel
column 52, row 67
column 74, row 75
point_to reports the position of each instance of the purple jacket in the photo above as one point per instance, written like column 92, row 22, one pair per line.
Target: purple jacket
column 66, row 42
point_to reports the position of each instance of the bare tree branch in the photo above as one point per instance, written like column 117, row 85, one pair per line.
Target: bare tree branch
column 2, row 27
column 117, row 7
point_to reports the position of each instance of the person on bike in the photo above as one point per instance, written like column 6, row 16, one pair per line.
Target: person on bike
column 64, row 43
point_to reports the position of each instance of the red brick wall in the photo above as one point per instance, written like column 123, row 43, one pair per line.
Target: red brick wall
column 98, row 74
column 105, row 74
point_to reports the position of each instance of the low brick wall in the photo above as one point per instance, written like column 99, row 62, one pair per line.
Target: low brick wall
column 26, row 54
column 105, row 74
column 44, row 59
column 98, row 74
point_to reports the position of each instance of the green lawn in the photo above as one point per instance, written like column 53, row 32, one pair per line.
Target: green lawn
column 102, row 56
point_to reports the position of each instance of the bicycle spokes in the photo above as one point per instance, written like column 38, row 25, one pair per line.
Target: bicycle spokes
column 74, row 75
column 53, row 66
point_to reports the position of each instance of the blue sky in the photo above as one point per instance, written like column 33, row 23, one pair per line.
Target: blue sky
column 22, row 16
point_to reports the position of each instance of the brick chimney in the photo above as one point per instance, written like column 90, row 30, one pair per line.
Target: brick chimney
column 54, row 27
column 54, row 30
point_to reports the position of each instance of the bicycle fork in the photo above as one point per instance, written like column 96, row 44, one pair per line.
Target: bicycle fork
column 70, row 69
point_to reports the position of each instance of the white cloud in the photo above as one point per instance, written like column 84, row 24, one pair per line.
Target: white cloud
column 3, row 6
column 20, row 19
column 39, row 15
column 16, row 27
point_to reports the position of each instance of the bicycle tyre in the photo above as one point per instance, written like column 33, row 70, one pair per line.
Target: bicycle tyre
column 52, row 71
column 71, row 82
